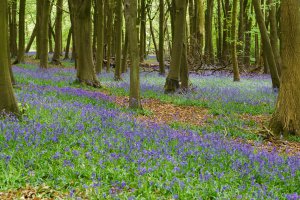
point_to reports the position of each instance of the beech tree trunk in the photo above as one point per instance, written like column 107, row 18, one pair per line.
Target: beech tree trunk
column 143, row 30
column 267, row 49
column 13, row 28
column 172, row 81
column 43, row 32
column 209, row 51
column 31, row 40
column 274, row 39
column 131, row 19
column 82, row 24
column 21, row 50
column 161, row 37
column 8, row 102
column 125, row 53
column 100, row 36
column 67, row 52
column 286, row 119
column 58, row 32
column 118, row 30
column 236, row 72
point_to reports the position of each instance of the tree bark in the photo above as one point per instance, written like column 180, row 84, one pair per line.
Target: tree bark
column 13, row 29
column 131, row 19
column 161, row 37
column 83, row 42
column 21, row 50
column 266, row 44
column 209, row 51
column 43, row 32
column 8, row 102
column 286, row 118
column 58, row 32
column 274, row 39
column 118, row 30
column 100, row 36
column 236, row 71
column 31, row 40
column 172, row 81
column 67, row 52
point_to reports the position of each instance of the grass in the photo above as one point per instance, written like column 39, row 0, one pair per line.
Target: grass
column 79, row 142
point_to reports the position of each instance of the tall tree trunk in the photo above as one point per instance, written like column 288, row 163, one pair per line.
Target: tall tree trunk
column 109, row 34
column 100, row 36
column 8, row 102
column 21, row 50
column 161, row 37
column 184, row 69
column 172, row 81
column 241, row 30
column 13, row 29
column 43, row 32
column 67, row 52
column 286, row 119
column 31, row 40
column 219, row 38
column 274, row 39
column 143, row 30
column 118, row 30
column 248, row 26
column 266, row 44
column 83, row 42
column 125, row 53
column 226, row 32
column 236, row 72
column 201, row 25
column 209, row 51
column 131, row 18
column 58, row 32
column 50, row 38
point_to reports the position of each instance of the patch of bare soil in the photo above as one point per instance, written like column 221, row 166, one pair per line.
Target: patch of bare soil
column 165, row 113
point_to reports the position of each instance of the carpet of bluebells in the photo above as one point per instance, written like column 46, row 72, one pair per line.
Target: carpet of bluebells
column 77, row 141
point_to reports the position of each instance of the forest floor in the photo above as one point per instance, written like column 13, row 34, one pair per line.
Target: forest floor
column 98, row 148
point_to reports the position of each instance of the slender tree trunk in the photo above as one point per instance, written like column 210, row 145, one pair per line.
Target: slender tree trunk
column 266, row 44
column 131, row 18
column 286, row 118
column 50, row 38
column 241, row 31
column 8, row 102
column 248, row 26
column 125, row 53
column 152, row 33
column 21, row 50
column 274, row 39
column 43, row 32
column 67, row 52
column 82, row 24
column 13, row 29
column 236, row 72
column 143, row 31
column 209, row 51
column 184, row 69
column 100, row 36
column 31, row 40
column 161, row 37
column 118, row 30
column 109, row 35
column 219, row 38
column 58, row 32
column 226, row 32
column 172, row 81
